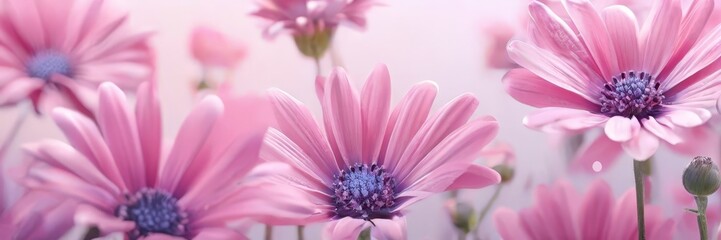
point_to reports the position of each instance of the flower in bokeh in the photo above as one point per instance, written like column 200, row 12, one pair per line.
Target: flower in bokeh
column 212, row 48
column 312, row 23
column 127, row 183
column 56, row 53
column 373, row 162
column 559, row 212
column 600, row 70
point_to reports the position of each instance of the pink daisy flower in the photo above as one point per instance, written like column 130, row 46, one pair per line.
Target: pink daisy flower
column 307, row 17
column 56, row 53
column 212, row 48
column 559, row 212
column 372, row 162
column 600, row 70
column 127, row 183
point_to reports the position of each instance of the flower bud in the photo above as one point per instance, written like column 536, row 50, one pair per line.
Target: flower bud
column 506, row 171
column 462, row 215
column 314, row 45
column 701, row 177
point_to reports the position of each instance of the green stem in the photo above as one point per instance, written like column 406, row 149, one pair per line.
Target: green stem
column 301, row 229
column 318, row 71
column 702, row 202
column 489, row 204
column 638, row 177
column 268, row 232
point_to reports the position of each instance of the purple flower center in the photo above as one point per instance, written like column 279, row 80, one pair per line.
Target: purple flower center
column 632, row 95
column 364, row 192
column 46, row 63
column 153, row 211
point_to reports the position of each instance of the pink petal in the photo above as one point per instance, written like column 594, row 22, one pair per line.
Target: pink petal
column 279, row 148
column 296, row 122
column 62, row 182
column 375, row 105
column 622, row 28
column 659, row 33
column 455, row 151
column 235, row 161
column 702, row 55
column 193, row 132
column 551, row 32
column 60, row 155
column 595, row 216
column 661, row 131
column 474, row 177
column 84, row 136
column 595, row 35
column 552, row 119
column 625, row 224
column 90, row 216
column 27, row 20
column 342, row 104
column 685, row 116
column 621, row 129
column 694, row 21
column 275, row 204
column 147, row 113
column 602, row 150
column 453, row 115
column 119, row 129
column 390, row 229
column 533, row 90
column 408, row 116
column 345, row 228
column 227, row 141
column 18, row 90
column 553, row 69
column 641, row 146
column 553, row 205
column 507, row 222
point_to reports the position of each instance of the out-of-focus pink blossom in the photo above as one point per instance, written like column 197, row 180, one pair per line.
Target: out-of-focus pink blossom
column 125, row 180
column 559, row 212
column 212, row 48
column 306, row 17
column 56, row 53
column 372, row 161
column 603, row 69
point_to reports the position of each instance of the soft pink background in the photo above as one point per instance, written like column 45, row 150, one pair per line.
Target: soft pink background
column 439, row 40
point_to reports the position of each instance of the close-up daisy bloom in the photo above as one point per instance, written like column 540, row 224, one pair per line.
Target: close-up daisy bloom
column 370, row 162
column 56, row 53
column 128, row 183
column 641, row 81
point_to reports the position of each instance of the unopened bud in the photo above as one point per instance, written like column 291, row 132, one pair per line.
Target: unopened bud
column 701, row 177
column 314, row 45
column 462, row 214
column 506, row 171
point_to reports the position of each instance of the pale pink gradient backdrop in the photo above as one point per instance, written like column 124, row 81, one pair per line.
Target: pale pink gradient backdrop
column 439, row 40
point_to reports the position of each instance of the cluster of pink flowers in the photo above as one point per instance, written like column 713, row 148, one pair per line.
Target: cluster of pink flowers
column 638, row 75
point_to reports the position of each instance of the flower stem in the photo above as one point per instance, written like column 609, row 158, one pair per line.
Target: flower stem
column 638, row 177
column 318, row 71
column 268, row 232
column 702, row 202
column 489, row 204
column 301, row 229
